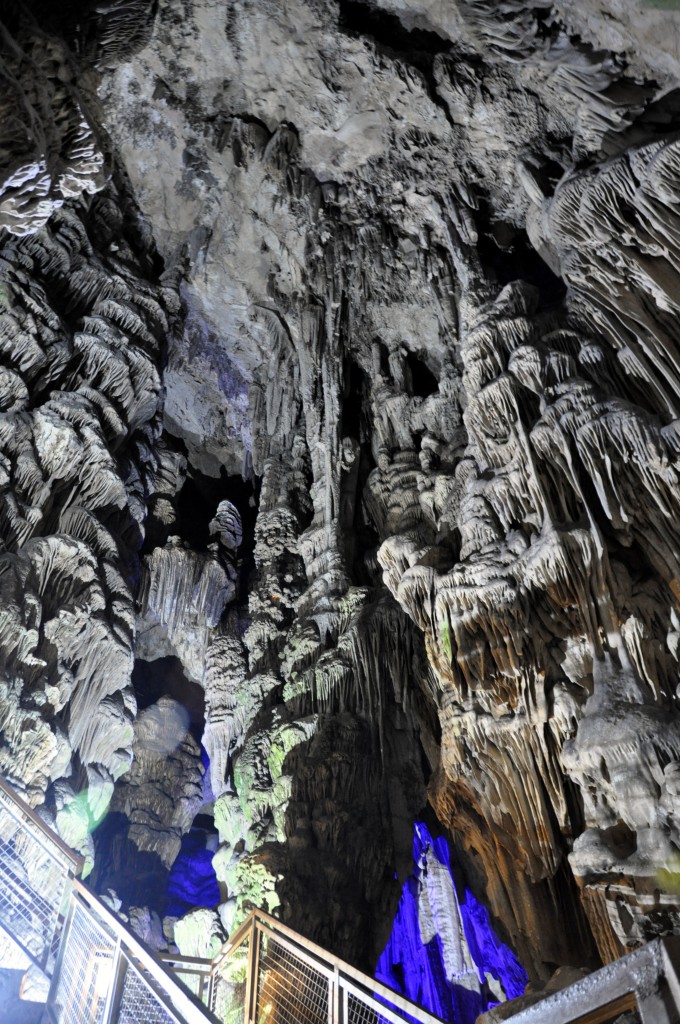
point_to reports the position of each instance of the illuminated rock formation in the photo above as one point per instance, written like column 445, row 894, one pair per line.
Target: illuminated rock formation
column 443, row 953
column 339, row 390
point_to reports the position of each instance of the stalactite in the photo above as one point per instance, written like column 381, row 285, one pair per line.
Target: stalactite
column 375, row 455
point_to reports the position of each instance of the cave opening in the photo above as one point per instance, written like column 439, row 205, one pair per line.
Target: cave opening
column 196, row 505
column 423, row 381
column 165, row 677
column 192, row 882
column 198, row 499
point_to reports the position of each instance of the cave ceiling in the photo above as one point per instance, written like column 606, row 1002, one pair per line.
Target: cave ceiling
column 340, row 454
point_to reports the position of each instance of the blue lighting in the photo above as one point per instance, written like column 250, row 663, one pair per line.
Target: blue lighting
column 192, row 882
column 418, row 970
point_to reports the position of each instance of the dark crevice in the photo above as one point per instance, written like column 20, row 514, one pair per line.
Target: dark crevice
column 165, row 677
column 198, row 500
column 355, row 388
column 508, row 255
column 423, row 381
column 196, row 506
column 388, row 32
column 366, row 537
column 416, row 47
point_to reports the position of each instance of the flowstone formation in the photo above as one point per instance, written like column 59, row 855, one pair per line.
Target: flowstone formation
column 341, row 451
column 443, row 953
column 84, row 321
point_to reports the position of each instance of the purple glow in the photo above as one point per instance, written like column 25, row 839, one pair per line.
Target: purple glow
column 418, row 970
column 192, row 881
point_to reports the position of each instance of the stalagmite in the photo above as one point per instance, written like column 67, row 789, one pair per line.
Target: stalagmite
column 339, row 404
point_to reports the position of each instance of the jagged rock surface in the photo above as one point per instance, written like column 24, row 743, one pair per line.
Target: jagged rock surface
column 428, row 255
column 83, row 323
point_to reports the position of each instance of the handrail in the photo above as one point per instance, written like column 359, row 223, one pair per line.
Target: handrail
column 370, row 984
column 646, row 980
column 198, row 969
column 199, row 962
column 182, row 1000
column 327, row 964
column 75, row 860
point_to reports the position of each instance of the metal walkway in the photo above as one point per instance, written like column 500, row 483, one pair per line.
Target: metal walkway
column 101, row 973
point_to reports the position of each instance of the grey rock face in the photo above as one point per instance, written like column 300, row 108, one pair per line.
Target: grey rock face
column 82, row 328
column 162, row 792
column 83, row 319
column 404, row 460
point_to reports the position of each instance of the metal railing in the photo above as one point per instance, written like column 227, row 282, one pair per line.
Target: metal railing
column 269, row 974
column 105, row 975
column 193, row 972
column 37, row 871
column 265, row 974
column 645, row 982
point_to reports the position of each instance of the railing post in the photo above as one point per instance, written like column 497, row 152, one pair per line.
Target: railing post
column 250, row 973
column 210, row 1002
column 334, row 998
column 115, row 993
column 254, row 993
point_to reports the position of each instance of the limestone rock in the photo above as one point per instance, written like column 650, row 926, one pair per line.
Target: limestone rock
column 162, row 792
column 399, row 282
column 199, row 934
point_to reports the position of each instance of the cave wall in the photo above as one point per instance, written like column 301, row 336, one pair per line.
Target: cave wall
column 340, row 372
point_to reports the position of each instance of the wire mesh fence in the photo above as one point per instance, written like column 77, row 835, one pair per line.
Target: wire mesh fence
column 269, row 974
column 139, row 1003
column 36, row 871
column 105, row 975
column 85, row 971
column 289, row 988
column 100, row 984
column 359, row 1012
column 228, row 984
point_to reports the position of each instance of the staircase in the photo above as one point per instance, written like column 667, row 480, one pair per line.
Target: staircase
column 14, row 1009
column 100, row 973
